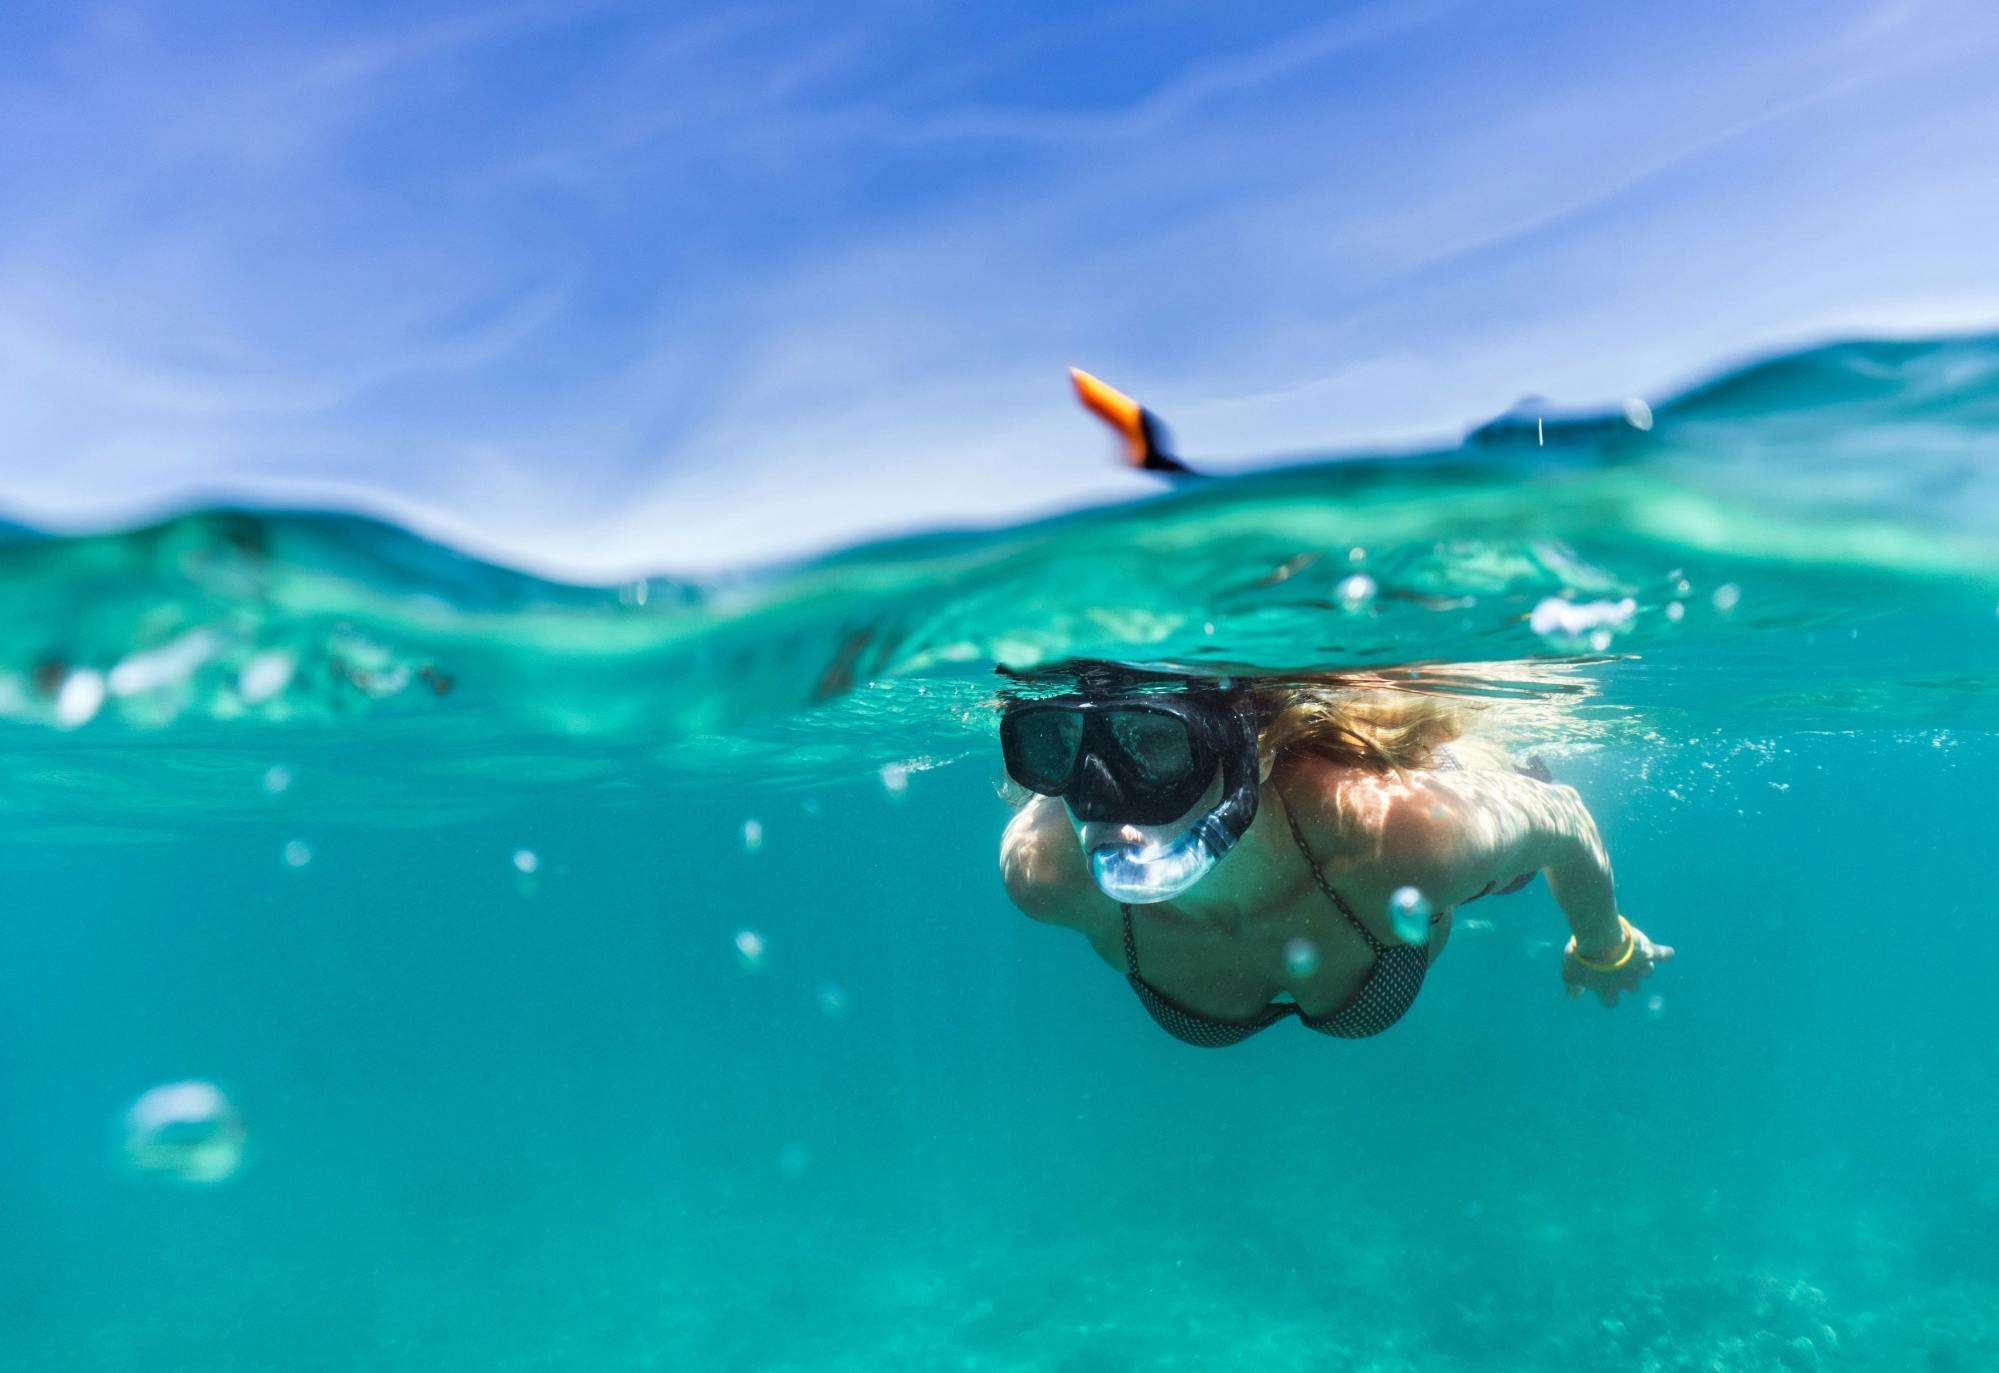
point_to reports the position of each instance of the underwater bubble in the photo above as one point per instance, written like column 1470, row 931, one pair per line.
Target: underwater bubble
column 297, row 853
column 1301, row 957
column 1655, row 1006
column 264, row 676
column 753, row 835
column 526, row 861
column 750, row 949
column 1571, row 624
column 1355, row 591
column 79, row 698
column 277, row 779
column 1409, row 915
column 1599, row 639
column 1637, row 413
column 1727, row 596
column 168, row 665
column 1675, row 611
column 1356, row 554
column 188, row 1131
column 895, row 779
column 793, row 1159
column 832, row 1000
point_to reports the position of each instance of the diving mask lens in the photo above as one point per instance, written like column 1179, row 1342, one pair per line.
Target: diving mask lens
column 1157, row 751
column 1042, row 745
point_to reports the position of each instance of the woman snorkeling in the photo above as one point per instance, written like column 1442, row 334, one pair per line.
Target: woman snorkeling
column 1248, row 852
column 1353, row 821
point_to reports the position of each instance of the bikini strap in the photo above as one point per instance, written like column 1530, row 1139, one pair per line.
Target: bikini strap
column 1318, row 875
column 1130, row 943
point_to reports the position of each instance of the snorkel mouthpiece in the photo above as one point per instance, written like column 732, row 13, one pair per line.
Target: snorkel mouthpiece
column 1146, row 874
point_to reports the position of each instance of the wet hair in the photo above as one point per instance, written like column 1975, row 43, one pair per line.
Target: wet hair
column 1385, row 728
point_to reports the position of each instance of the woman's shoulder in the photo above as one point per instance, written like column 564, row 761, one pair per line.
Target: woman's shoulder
column 1323, row 790
column 1364, row 812
column 1043, row 867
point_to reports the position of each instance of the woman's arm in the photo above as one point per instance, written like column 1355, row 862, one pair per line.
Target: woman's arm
column 1545, row 827
column 1453, row 834
column 1564, row 845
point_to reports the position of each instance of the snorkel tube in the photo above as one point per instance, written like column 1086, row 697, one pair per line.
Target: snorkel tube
column 1146, row 871
column 1161, row 866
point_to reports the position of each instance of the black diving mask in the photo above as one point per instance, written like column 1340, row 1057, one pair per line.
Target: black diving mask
column 1142, row 760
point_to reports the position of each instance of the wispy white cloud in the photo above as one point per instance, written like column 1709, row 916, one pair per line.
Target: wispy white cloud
column 1182, row 97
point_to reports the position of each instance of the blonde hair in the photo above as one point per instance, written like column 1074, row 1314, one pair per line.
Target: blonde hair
column 1391, row 729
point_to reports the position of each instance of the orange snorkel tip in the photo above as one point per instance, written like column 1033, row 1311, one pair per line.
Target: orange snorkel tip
column 1116, row 409
column 1133, row 422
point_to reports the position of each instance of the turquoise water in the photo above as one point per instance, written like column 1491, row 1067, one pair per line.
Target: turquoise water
column 273, row 779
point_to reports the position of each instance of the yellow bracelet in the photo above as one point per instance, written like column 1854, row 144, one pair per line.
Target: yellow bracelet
column 1609, row 965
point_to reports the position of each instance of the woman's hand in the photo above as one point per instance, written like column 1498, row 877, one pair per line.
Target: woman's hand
column 1620, row 971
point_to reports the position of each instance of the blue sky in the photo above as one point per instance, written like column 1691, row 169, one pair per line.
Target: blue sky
column 606, row 287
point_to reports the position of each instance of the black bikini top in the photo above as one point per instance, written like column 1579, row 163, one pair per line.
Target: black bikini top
column 1382, row 1000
